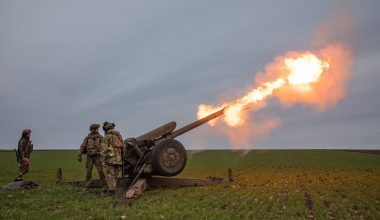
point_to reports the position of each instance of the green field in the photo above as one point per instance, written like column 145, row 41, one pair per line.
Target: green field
column 273, row 184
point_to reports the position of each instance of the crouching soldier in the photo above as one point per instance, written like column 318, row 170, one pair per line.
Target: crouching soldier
column 91, row 147
column 25, row 148
column 112, row 146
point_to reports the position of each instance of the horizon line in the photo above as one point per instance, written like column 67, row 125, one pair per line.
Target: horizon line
column 232, row 149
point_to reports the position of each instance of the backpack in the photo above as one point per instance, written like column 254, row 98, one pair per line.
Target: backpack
column 93, row 145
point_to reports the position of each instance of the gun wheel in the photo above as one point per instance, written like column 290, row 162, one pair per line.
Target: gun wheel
column 169, row 158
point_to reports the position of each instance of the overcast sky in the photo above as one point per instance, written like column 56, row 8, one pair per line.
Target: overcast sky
column 67, row 64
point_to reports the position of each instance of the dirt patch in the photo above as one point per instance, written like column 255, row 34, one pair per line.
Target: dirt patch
column 309, row 205
column 308, row 200
column 299, row 182
column 327, row 205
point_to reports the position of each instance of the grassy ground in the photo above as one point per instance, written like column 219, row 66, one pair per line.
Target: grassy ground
column 308, row 184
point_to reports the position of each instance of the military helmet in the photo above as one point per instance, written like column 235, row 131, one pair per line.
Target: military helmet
column 94, row 127
column 26, row 132
column 104, row 125
column 108, row 125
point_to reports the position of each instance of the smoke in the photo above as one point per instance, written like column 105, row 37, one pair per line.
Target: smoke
column 338, row 29
column 256, row 127
column 324, row 93
column 332, row 43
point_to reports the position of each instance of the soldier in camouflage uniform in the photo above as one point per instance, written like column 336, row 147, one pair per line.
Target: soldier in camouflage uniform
column 112, row 150
column 25, row 148
column 91, row 147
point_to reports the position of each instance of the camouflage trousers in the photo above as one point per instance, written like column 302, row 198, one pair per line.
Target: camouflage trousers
column 91, row 161
column 111, row 176
column 23, row 167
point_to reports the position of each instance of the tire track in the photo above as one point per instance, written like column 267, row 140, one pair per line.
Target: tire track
column 327, row 205
column 307, row 197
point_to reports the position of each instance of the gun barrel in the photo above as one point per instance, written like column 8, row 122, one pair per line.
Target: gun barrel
column 195, row 124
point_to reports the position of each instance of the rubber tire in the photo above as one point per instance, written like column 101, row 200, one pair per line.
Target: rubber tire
column 158, row 165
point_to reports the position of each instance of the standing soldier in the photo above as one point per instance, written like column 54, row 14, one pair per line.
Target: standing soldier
column 25, row 148
column 112, row 146
column 91, row 147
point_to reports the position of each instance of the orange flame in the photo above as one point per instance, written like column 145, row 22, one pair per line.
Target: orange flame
column 298, row 72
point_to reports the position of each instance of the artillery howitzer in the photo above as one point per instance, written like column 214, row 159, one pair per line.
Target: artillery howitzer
column 157, row 152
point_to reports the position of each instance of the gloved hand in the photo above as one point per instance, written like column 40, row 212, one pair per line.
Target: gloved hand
column 80, row 157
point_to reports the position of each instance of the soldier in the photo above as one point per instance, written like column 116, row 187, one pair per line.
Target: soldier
column 112, row 146
column 25, row 148
column 91, row 147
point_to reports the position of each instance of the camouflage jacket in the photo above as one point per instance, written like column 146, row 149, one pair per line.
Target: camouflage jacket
column 112, row 148
column 25, row 147
column 91, row 144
